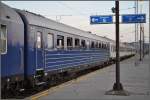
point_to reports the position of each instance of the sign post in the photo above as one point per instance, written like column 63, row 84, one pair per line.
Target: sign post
column 117, row 88
column 117, row 85
column 107, row 19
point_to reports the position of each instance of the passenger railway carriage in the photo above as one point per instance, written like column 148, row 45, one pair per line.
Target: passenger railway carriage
column 53, row 47
column 35, row 50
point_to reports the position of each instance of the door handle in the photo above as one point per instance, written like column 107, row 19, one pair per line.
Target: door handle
column 21, row 58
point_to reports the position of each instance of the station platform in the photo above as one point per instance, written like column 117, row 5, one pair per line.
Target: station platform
column 93, row 86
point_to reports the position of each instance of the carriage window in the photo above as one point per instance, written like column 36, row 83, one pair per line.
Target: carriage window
column 3, row 39
column 114, row 48
column 50, row 40
column 60, row 41
column 107, row 46
column 77, row 42
column 96, row 45
column 39, row 40
column 88, row 43
column 102, row 45
column 69, row 41
column 99, row 45
column 83, row 43
column 92, row 45
column 111, row 48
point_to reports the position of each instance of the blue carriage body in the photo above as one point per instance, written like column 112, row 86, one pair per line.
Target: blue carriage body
column 65, row 59
column 25, row 55
column 52, row 59
column 12, row 29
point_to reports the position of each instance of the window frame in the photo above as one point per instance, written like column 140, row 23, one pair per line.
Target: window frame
column 71, row 41
column 106, row 45
column 52, row 40
column 92, row 44
column 6, row 39
column 62, row 45
column 96, row 44
column 111, row 47
column 102, row 45
column 88, row 43
column 41, row 42
column 83, row 42
column 99, row 45
column 78, row 42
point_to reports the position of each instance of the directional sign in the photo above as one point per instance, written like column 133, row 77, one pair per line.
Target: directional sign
column 101, row 19
column 134, row 18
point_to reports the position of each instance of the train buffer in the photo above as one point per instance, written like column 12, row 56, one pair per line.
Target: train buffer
column 93, row 86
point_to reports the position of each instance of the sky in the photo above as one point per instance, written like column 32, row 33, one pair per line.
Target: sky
column 77, row 14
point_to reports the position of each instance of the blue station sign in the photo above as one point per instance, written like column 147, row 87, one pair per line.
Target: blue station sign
column 101, row 19
column 134, row 18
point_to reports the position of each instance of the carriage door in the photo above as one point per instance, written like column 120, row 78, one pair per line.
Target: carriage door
column 39, row 51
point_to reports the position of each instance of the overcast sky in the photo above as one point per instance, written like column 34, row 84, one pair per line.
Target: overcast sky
column 77, row 14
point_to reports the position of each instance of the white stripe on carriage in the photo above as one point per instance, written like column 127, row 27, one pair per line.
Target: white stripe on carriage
column 69, row 60
column 51, row 50
column 74, row 65
column 62, row 57
column 91, row 61
column 75, row 59
column 47, row 54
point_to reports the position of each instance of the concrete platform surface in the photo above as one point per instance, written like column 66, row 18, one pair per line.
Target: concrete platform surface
column 135, row 80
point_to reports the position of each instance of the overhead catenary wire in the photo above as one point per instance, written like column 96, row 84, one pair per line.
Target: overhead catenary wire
column 70, row 8
column 127, row 8
column 125, row 29
column 88, row 14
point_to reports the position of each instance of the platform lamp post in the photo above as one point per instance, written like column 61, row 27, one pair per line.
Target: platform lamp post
column 117, row 88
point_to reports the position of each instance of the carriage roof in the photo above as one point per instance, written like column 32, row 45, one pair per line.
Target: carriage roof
column 35, row 19
column 8, row 14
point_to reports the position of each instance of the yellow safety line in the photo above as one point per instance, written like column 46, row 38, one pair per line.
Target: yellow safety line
column 46, row 92
column 40, row 95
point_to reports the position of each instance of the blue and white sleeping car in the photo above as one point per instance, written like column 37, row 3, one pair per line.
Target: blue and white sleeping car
column 53, row 47
column 36, row 49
